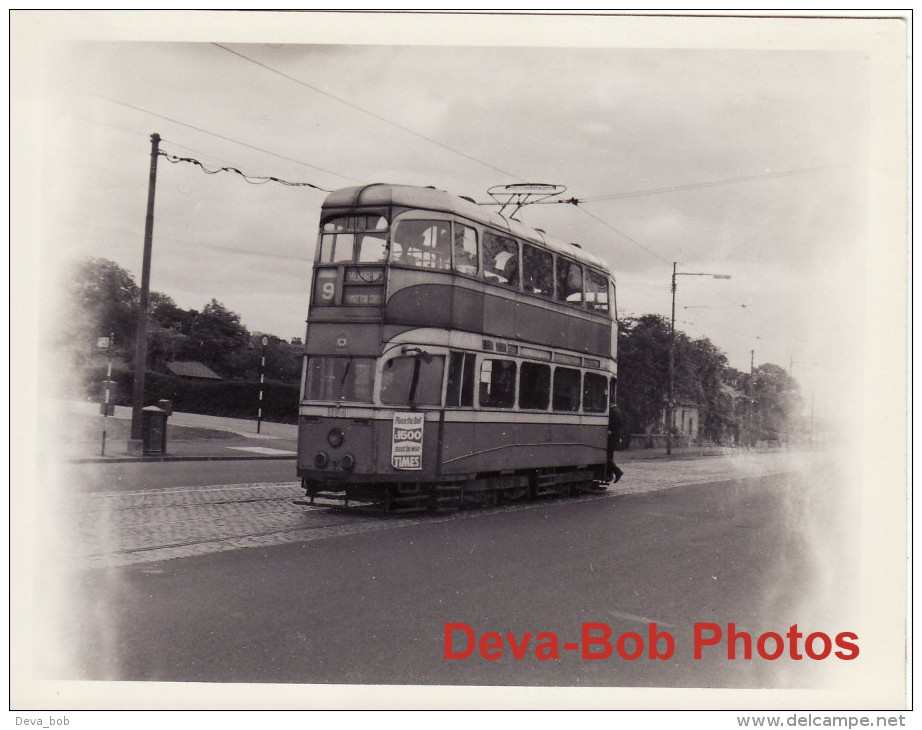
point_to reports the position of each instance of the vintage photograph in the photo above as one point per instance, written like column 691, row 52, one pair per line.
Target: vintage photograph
column 397, row 359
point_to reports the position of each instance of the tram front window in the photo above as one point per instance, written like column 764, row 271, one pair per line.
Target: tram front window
column 414, row 380
column 342, row 379
column 351, row 238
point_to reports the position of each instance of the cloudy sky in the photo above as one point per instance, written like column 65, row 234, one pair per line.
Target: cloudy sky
column 732, row 146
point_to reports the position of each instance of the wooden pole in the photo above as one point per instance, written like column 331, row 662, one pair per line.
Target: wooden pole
column 140, row 347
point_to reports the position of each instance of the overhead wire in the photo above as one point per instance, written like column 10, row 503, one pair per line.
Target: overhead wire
column 260, row 253
column 370, row 113
column 624, row 235
column 251, row 179
column 221, row 136
column 706, row 184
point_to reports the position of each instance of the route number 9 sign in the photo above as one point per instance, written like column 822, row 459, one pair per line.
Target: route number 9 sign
column 325, row 287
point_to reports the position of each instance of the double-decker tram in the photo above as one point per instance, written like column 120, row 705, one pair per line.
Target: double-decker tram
column 452, row 357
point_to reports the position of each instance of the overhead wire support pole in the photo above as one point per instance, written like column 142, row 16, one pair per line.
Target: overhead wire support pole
column 140, row 348
column 670, row 404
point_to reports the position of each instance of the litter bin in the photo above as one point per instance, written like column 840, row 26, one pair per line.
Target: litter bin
column 153, row 430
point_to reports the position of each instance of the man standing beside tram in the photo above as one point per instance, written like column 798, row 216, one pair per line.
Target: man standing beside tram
column 615, row 432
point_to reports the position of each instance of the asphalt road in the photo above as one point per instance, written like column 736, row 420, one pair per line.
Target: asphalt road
column 87, row 478
column 233, row 583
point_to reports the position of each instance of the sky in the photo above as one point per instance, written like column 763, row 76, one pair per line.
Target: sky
column 741, row 147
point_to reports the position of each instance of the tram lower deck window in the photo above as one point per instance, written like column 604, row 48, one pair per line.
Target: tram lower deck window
column 413, row 380
column 566, row 389
column 460, row 390
column 342, row 379
column 497, row 383
column 595, row 393
column 534, row 386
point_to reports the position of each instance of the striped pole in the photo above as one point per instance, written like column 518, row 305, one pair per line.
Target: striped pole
column 262, row 379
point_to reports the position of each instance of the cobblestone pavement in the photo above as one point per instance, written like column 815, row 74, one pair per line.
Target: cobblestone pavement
column 112, row 529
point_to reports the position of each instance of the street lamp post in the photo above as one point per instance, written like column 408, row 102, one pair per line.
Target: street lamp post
column 670, row 405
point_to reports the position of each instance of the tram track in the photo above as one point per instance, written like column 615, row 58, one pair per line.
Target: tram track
column 116, row 529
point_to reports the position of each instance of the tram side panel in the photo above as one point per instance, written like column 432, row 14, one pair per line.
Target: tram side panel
column 417, row 298
column 334, row 451
column 489, row 445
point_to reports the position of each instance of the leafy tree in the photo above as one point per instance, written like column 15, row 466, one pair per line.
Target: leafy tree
column 283, row 361
column 643, row 351
column 709, row 365
column 165, row 314
column 217, row 337
column 101, row 298
column 776, row 401
column 643, row 373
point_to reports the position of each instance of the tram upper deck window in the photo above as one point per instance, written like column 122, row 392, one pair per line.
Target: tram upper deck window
column 569, row 282
column 414, row 380
column 425, row 244
column 497, row 383
column 465, row 249
column 596, row 291
column 500, row 259
column 341, row 379
column 537, row 271
column 351, row 238
column 566, row 389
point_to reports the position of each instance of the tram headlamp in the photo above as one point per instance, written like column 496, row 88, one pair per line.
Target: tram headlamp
column 321, row 459
column 335, row 437
column 347, row 462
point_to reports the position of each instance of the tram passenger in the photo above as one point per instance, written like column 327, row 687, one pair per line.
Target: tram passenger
column 506, row 263
column 511, row 271
column 615, row 430
column 569, row 282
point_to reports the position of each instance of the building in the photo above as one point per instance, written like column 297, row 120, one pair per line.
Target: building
column 192, row 369
column 686, row 421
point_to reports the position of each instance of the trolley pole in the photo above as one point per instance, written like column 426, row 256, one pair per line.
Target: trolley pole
column 140, row 348
column 262, row 380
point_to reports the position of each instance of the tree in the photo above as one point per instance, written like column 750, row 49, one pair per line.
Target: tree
column 217, row 337
column 643, row 376
column 165, row 314
column 101, row 299
column 643, row 351
column 709, row 365
column 283, row 361
column 776, row 401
